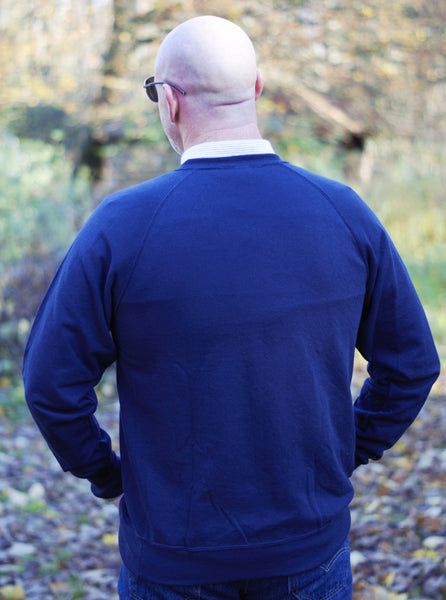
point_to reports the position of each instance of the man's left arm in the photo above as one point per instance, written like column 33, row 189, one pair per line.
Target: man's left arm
column 395, row 338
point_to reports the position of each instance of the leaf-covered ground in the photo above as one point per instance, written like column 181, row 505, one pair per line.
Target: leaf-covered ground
column 59, row 542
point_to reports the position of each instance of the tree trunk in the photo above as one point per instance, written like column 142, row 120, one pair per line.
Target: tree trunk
column 115, row 64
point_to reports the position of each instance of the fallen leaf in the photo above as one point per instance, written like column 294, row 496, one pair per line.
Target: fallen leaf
column 12, row 592
column 110, row 539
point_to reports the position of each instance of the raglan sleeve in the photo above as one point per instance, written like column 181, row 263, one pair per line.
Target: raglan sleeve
column 69, row 348
column 395, row 338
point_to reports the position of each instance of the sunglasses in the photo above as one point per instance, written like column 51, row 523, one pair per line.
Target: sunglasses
column 150, row 86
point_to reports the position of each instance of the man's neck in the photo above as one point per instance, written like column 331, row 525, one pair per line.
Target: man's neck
column 249, row 131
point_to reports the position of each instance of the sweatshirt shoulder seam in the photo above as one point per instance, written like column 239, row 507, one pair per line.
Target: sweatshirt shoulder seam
column 145, row 235
column 330, row 201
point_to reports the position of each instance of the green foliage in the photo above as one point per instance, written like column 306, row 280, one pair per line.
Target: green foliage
column 12, row 401
column 76, row 588
column 41, row 207
column 407, row 193
column 294, row 138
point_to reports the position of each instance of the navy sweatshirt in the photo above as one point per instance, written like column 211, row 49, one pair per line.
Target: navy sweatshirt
column 231, row 293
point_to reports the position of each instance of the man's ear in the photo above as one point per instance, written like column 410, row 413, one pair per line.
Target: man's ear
column 259, row 84
column 172, row 102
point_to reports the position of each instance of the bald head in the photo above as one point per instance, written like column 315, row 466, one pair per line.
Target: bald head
column 214, row 61
column 209, row 57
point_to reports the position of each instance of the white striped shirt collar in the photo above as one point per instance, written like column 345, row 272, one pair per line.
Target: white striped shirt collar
column 226, row 148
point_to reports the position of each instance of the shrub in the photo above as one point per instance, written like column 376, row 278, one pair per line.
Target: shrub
column 41, row 209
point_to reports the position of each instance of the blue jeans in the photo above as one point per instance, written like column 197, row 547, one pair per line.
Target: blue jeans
column 330, row 581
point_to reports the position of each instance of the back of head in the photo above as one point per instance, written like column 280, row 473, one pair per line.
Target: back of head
column 211, row 58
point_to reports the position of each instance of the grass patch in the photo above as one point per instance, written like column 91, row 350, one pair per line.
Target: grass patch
column 407, row 194
column 41, row 206
column 12, row 402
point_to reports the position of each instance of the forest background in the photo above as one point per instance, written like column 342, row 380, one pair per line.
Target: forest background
column 354, row 91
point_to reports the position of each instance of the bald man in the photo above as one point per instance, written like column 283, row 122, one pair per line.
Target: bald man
column 218, row 61
column 231, row 293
